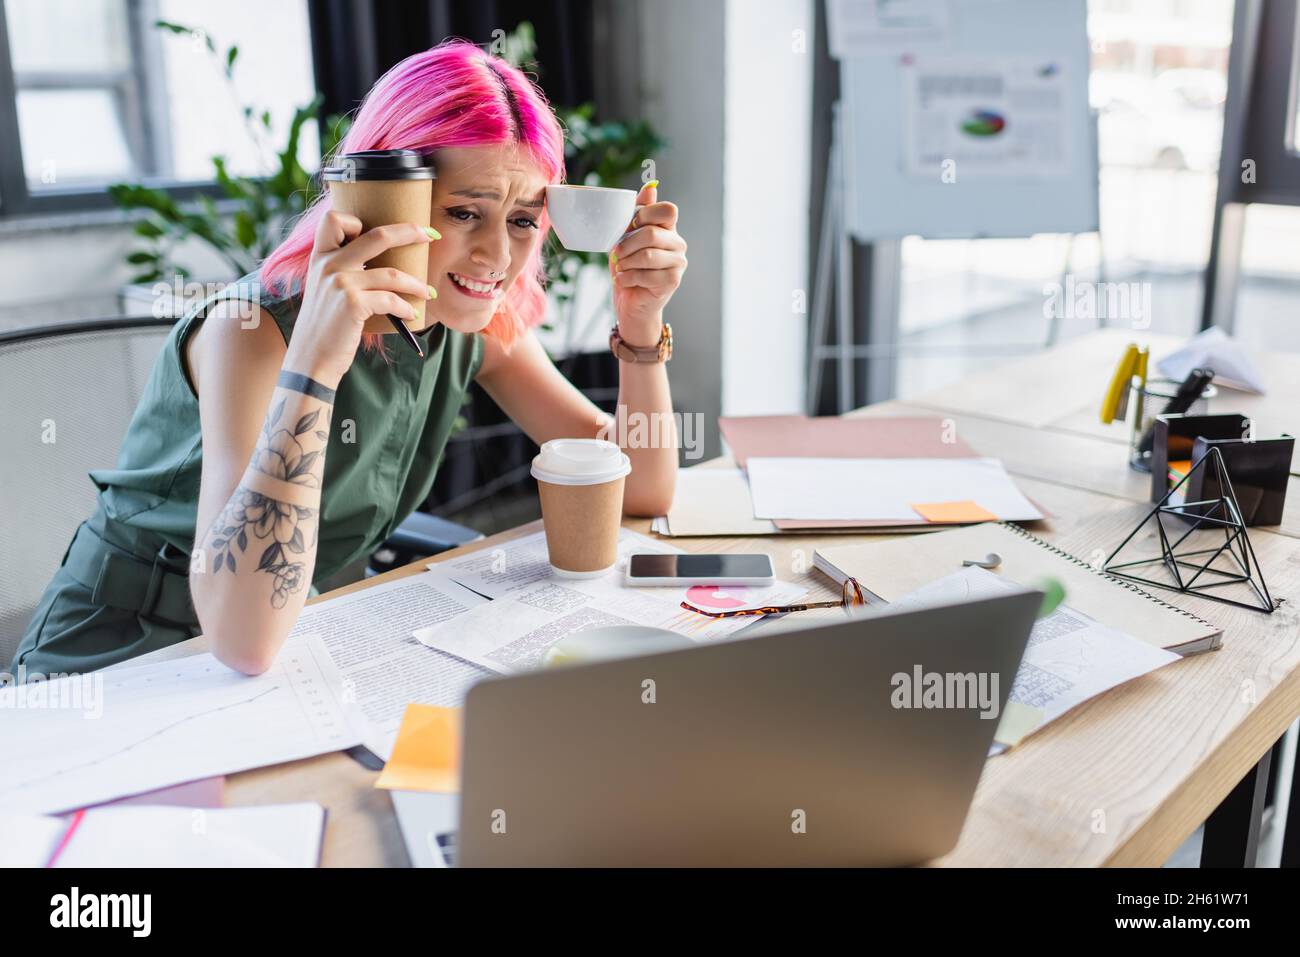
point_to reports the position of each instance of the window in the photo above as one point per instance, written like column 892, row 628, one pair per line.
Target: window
column 100, row 94
column 1158, row 82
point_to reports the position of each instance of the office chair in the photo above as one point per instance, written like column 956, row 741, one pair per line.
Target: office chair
column 70, row 390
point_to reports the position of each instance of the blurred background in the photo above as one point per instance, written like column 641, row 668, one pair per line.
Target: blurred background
column 150, row 145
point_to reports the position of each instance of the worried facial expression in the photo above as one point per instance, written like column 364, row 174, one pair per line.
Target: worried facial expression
column 487, row 204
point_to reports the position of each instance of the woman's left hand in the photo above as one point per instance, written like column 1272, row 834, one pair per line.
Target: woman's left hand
column 646, row 267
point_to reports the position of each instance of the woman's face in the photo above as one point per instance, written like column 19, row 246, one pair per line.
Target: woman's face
column 486, row 204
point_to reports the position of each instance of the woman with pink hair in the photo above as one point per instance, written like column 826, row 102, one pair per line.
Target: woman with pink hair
column 275, row 443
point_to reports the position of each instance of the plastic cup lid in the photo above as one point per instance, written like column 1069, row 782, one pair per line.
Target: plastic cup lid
column 379, row 164
column 580, row 462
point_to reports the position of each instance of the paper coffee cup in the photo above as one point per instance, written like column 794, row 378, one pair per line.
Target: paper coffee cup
column 380, row 187
column 589, row 218
column 580, row 482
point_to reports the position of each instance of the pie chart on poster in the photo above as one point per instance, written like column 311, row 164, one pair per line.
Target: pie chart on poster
column 714, row 596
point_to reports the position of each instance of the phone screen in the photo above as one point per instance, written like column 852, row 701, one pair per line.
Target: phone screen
column 701, row 567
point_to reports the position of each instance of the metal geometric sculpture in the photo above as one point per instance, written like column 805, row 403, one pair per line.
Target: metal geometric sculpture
column 1186, row 568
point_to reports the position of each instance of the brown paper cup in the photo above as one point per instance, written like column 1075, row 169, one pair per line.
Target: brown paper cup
column 379, row 203
column 581, row 524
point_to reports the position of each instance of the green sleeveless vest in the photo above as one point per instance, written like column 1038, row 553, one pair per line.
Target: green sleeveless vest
column 388, row 432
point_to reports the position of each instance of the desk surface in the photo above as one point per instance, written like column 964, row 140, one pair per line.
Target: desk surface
column 1123, row 780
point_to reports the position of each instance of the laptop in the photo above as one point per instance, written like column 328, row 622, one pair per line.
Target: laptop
column 853, row 743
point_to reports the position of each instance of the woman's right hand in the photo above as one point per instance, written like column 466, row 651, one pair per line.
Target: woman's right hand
column 340, row 294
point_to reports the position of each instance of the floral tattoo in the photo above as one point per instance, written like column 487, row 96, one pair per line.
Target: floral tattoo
column 280, row 455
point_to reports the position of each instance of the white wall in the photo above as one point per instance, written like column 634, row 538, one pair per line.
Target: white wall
column 681, row 91
column 768, row 110
column 72, row 266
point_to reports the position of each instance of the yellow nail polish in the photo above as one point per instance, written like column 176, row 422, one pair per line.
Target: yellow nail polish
column 433, row 293
column 653, row 182
column 613, row 259
column 433, row 233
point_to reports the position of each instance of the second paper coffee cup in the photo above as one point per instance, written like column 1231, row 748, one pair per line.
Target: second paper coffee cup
column 380, row 187
column 580, row 482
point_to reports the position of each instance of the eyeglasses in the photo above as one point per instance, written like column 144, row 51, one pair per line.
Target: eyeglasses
column 851, row 596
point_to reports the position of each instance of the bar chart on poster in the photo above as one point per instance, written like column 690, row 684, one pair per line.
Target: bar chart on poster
column 965, row 119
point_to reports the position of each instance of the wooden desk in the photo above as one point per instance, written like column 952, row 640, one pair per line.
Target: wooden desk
column 1123, row 780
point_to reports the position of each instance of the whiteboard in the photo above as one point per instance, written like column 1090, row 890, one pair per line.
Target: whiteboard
column 899, row 178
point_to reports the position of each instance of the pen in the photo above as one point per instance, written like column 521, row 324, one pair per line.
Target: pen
column 407, row 335
column 1188, row 392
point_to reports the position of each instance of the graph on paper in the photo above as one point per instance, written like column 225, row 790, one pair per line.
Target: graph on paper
column 125, row 731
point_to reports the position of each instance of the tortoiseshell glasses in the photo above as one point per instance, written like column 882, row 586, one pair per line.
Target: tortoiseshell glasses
column 852, row 595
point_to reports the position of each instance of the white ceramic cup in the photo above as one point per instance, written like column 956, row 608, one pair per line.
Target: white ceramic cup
column 590, row 219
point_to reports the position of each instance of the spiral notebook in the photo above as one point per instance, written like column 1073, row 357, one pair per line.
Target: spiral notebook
column 891, row 569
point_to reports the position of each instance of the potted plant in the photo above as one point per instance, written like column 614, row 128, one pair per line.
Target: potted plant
column 248, row 223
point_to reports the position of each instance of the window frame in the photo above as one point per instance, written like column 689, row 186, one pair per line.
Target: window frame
column 18, row 200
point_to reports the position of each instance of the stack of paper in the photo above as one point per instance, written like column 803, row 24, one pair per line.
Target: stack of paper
column 939, row 491
column 86, row 739
column 369, row 637
column 287, row 835
column 713, row 501
column 850, row 474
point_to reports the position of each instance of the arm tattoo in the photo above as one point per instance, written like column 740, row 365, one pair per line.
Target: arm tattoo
column 280, row 454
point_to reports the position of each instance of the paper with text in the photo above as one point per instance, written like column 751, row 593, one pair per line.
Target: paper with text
column 1070, row 657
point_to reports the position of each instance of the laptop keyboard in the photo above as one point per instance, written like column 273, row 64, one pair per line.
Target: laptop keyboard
column 447, row 847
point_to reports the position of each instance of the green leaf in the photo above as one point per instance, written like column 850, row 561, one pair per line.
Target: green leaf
column 266, row 118
column 140, row 257
column 245, row 229
column 185, row 31
column 148, row 229
column 231, row 54
column 130, row 196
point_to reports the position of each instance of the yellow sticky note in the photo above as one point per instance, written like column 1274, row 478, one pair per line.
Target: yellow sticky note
column 950, row 512
column 426, row 756
column 1018, row 720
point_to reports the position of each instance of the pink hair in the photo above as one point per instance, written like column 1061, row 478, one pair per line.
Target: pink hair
column 452, row 95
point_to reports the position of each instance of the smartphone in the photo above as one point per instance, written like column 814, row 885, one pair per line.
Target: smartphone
column 689, row 569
